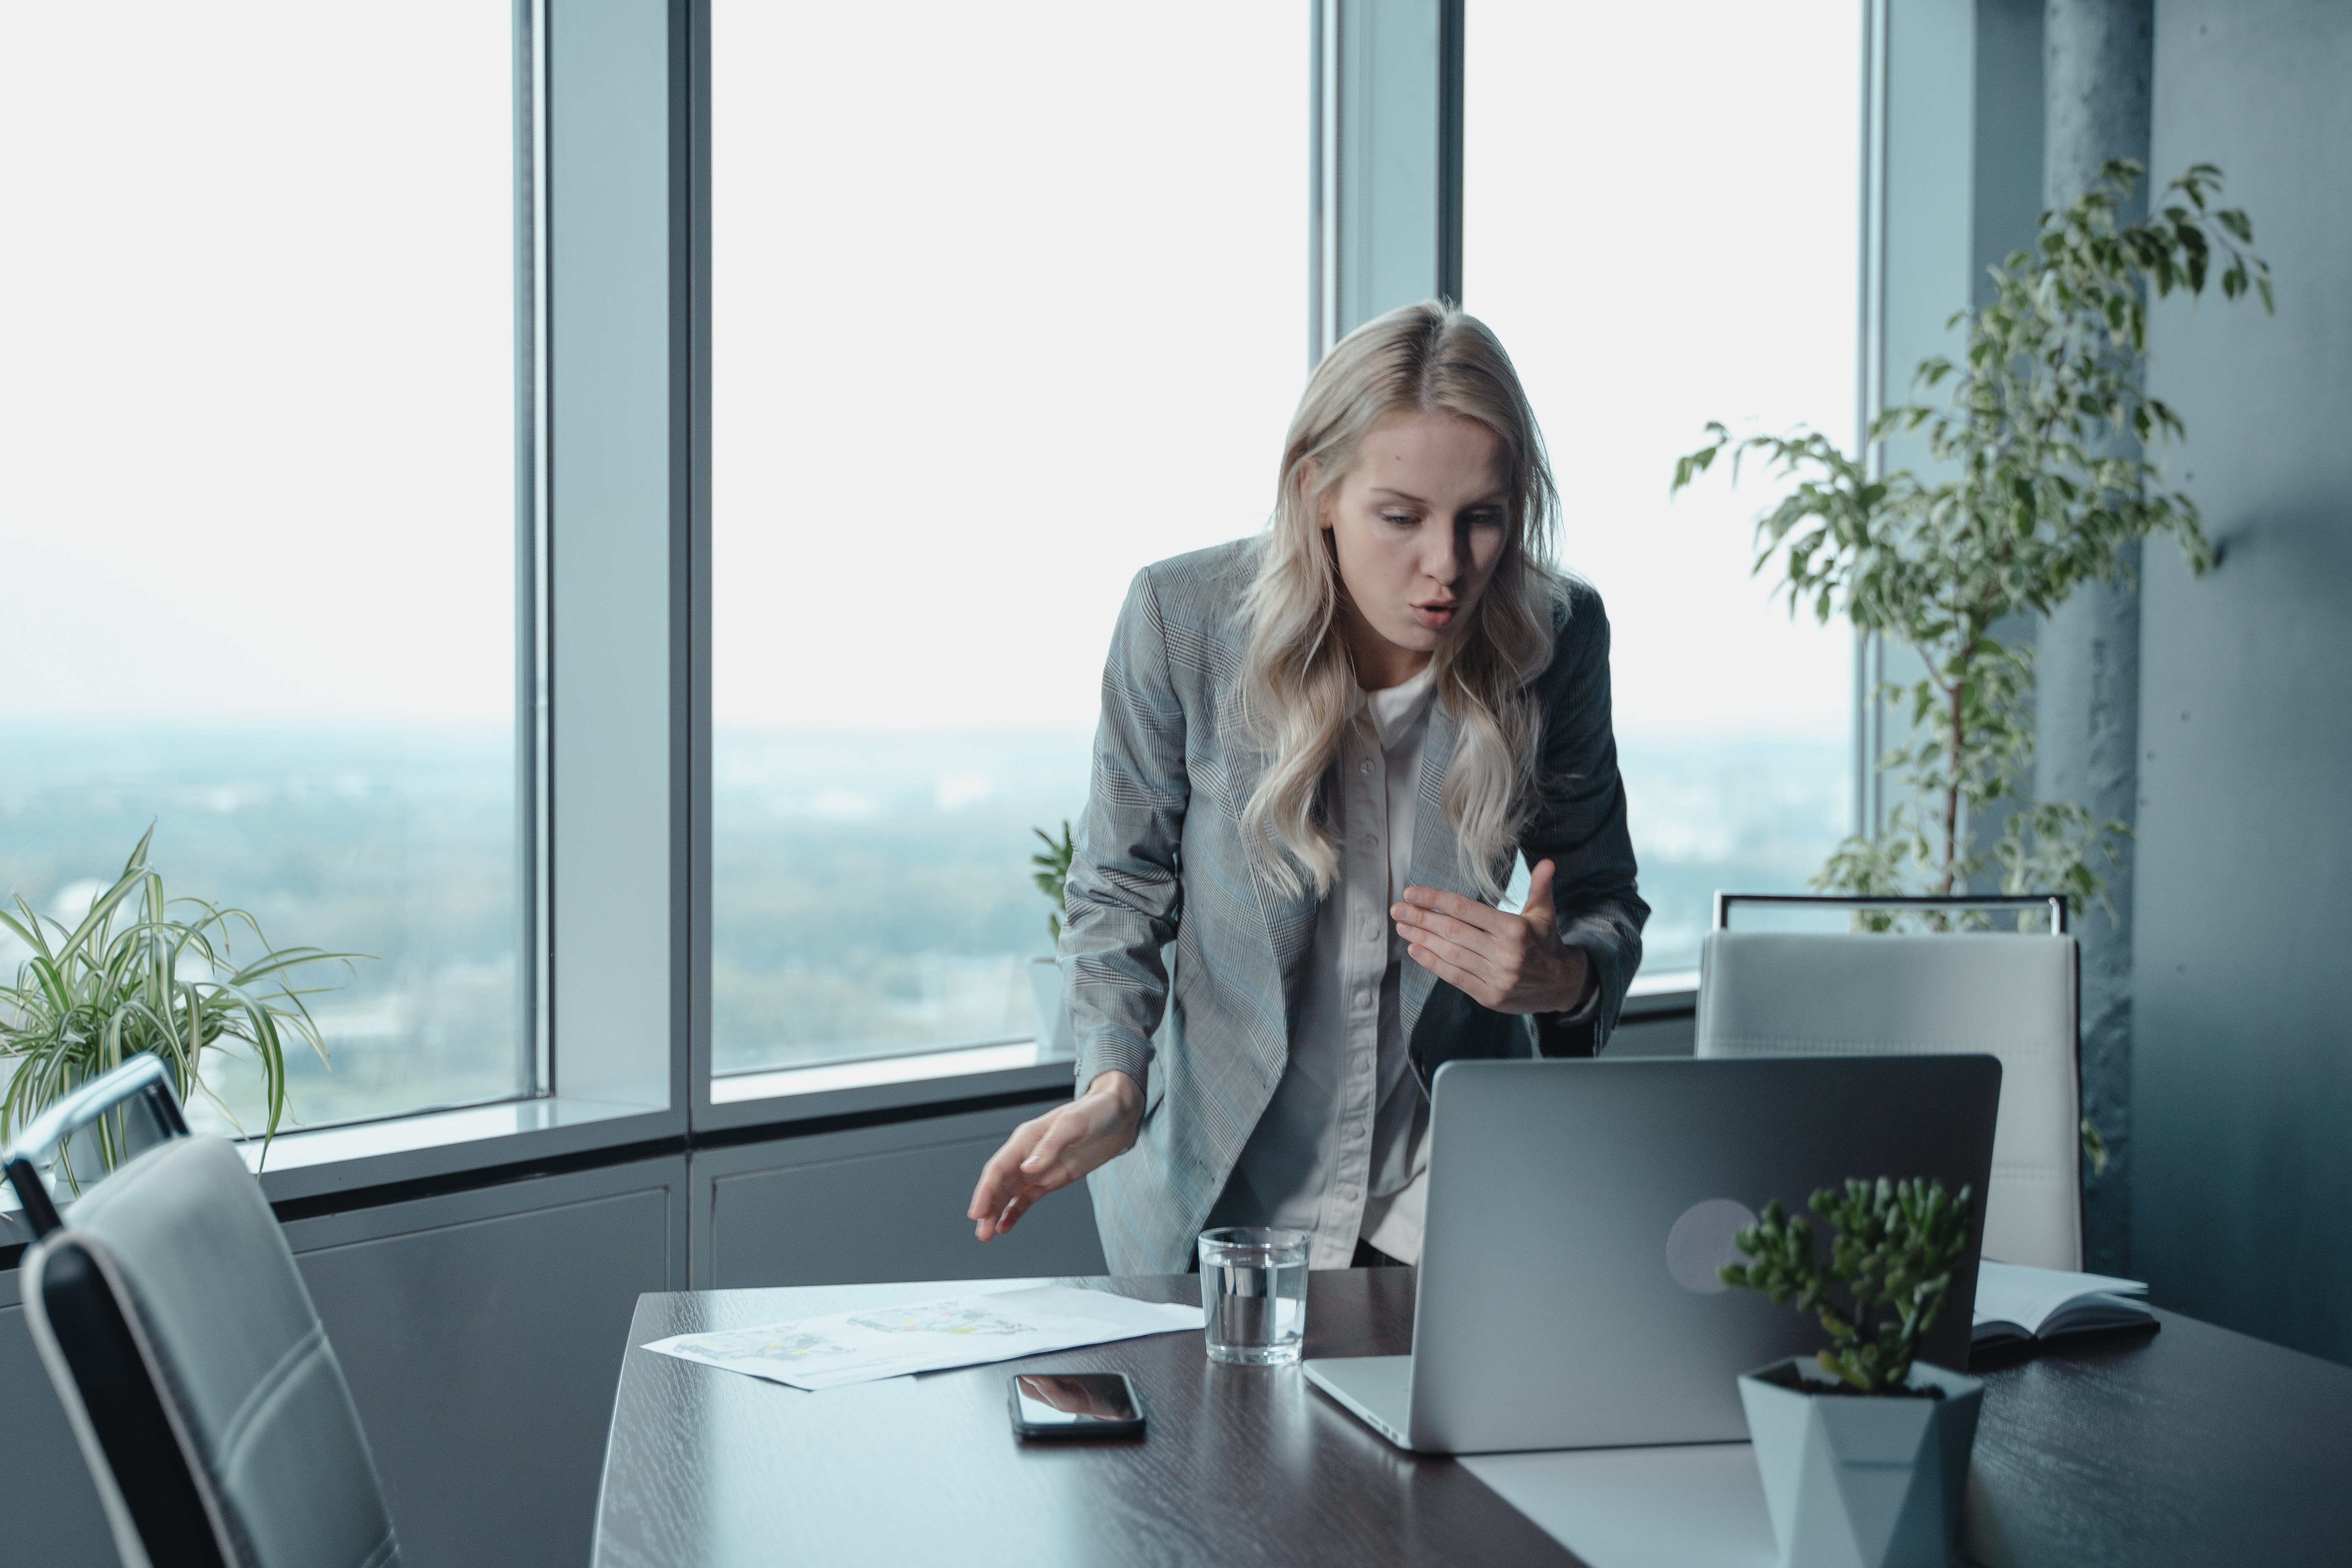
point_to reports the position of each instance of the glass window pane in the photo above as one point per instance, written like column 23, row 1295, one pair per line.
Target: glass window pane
column 1659, row 221
column 1009, row 301
column 256, row 502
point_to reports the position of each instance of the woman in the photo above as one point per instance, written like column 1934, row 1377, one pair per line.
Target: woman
column 1320, row 751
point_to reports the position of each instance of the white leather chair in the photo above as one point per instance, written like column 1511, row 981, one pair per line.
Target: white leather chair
column 199, row 1383
column 1764, row 993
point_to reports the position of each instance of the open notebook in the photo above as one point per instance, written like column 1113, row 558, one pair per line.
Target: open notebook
column 2016, row 1303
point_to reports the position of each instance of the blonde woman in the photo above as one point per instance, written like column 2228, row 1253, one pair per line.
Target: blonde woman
column 1320, row 751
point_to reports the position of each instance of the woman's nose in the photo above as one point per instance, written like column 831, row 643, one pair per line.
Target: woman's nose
column 1447, row 551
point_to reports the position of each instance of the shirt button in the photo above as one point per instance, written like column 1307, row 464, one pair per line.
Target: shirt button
column 1363, row 767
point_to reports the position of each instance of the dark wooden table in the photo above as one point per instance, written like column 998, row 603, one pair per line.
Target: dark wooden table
column 2191, row 1445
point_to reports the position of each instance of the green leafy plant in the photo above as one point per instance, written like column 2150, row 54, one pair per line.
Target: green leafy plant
column 2039, row 485
column 141, row 972
column 1052, row 873
column 1892, row 1247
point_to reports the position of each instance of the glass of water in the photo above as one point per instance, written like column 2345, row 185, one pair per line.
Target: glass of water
column 1253, row 1295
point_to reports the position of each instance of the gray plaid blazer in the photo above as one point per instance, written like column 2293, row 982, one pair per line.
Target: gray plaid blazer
column 1163, row 899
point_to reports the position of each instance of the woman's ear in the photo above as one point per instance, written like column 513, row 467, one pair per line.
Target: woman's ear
column 1310, row 482
column 1304, row 480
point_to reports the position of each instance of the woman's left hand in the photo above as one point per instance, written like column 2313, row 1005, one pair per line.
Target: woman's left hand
column 1510, row 962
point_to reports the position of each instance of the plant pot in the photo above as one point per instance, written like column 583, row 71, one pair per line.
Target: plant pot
column 1853, row 1482
column 1053, row 1031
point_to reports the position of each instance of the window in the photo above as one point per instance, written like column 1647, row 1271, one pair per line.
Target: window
column 1007, row 304
column 257, row 504
column 1659, row 222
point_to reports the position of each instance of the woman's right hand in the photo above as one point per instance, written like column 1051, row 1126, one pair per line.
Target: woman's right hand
column 1054, row 1150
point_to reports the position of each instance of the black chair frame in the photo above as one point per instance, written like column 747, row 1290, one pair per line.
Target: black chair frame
column 126, row 1416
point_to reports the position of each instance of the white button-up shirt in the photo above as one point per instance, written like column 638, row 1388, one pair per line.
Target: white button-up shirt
column 1342, row 1148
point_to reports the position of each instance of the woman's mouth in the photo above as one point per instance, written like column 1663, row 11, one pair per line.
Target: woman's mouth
column 1435, row 616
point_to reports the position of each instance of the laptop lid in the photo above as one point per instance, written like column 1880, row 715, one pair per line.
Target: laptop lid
column 1576, row 1211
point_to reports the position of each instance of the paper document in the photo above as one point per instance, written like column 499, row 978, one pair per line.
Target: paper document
column 929, row 1336
column 2015, row 1303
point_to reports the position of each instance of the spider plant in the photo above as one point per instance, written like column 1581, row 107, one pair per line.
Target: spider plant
column 143, row 972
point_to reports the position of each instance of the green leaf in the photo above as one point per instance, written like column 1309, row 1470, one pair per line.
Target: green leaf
column 111, row 988
column 2027, row 504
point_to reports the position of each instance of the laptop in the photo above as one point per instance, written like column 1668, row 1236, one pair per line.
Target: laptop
column 1577, row 1212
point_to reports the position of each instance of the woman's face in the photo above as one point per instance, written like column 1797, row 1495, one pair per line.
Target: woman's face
column 1417, row 525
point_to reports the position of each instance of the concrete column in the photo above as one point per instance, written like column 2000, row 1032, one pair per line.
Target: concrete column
column 2098, row 59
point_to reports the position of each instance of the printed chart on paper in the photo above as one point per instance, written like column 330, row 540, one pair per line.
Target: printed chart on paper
column 929, row 1336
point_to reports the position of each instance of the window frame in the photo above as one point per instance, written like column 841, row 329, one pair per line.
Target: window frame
column 614, row 348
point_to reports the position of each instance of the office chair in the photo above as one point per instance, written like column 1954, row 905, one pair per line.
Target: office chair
column 2012, row 996
column 199, row 1383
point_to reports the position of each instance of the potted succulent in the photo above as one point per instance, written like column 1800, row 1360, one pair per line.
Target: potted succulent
column 1864, row 1450
column 143, row 972
column 1052, row 877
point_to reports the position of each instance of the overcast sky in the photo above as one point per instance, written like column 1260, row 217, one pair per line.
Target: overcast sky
column 1063, row 337
column 1010, row 302
column 1660, row 222
column 256, row 361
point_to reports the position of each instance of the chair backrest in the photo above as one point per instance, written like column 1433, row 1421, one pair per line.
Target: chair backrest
column 2014, row 997
column 198, row 1380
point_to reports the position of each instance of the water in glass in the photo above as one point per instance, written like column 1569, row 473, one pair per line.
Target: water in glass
column 1253, row 1295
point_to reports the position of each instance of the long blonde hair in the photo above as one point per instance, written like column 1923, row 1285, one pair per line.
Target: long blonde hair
column 1299, row 681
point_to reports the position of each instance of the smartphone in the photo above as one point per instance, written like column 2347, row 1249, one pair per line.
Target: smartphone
column 1059, row 1405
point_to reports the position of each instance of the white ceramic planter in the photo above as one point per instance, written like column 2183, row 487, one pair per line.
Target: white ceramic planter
column 1856, row 1482
column 1053, row 1031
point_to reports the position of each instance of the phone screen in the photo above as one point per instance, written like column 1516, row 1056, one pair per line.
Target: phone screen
column 1073, row 1402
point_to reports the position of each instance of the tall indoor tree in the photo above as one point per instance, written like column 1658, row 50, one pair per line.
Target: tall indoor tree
column 2039, row 478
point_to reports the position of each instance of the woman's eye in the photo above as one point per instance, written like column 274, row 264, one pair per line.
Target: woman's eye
column 1401, row 519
